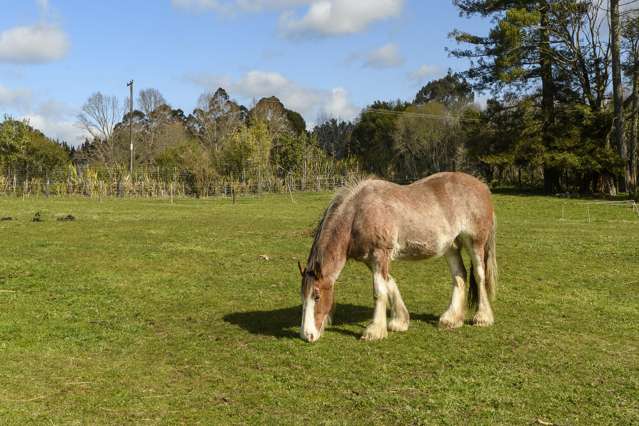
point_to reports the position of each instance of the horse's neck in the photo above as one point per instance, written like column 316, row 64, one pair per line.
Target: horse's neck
column 333, row 245
column 332, row 264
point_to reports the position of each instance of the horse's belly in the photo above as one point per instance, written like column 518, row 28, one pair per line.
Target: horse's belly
column 416, row 250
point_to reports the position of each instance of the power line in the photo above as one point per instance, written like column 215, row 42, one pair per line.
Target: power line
column 447, row 117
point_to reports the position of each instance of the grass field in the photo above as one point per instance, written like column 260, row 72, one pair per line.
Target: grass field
column 158, row 313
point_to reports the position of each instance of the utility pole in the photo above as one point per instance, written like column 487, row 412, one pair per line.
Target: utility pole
column 130, row 85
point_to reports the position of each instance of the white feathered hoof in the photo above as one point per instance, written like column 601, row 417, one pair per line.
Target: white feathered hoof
column 450, row 321
column 374, row 332
column 397, row 324
column 483, row 319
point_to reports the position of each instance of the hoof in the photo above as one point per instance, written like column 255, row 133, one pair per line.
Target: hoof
column 450, row 322
column 374, row 332
column 483, row 319
column 397, row 325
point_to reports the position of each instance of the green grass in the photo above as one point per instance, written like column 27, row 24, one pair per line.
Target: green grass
column 157, row 313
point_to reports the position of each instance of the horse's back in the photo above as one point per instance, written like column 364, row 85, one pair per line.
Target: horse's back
column 419, row 220
column 450, row 184
column 465, row 202
column 463, row 199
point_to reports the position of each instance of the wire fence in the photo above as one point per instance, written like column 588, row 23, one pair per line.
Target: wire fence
column 595, row 211
column 162, row 183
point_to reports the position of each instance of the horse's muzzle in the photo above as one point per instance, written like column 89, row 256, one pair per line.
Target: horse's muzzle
column 311, row 336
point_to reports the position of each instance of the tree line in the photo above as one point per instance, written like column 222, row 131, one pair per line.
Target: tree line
column 551, row 65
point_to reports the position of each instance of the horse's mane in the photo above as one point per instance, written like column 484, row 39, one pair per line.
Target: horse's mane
column 335, row 207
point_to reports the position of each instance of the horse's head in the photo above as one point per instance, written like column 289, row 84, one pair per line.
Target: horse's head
column 317, row 302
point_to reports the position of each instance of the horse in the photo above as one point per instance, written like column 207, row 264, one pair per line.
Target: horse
column 375, row 221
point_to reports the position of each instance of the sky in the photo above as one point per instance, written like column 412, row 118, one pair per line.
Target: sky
column 322, row 58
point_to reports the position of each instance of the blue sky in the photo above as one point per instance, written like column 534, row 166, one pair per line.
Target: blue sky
column 321, row 57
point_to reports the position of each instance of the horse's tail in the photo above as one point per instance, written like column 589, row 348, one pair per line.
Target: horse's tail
column 490, row 261
column 473, row 289
column 490, row 270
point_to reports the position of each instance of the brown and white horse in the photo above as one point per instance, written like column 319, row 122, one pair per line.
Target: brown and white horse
column 376, row 221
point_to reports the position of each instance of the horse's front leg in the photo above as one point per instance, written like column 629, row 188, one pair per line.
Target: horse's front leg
column 377, row 329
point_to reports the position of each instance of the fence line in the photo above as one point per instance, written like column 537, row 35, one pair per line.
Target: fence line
column 158, row 183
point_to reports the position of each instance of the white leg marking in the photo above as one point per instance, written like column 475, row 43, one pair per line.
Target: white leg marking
column 454, row 315
column 399, row 314
column 377, row 330
column 484, row 316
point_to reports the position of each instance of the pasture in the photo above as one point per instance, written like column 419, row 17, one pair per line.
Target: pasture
column 156, row 313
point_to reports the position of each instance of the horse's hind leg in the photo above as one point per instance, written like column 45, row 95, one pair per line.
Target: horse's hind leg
column 399, row 314
column 454, row 316
column 484, row 316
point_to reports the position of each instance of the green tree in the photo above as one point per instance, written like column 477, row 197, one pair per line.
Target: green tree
column 216, row 118
column 248, row 148
column 335, row 137
column 453, row 91
column 27, row 152
column 553, row 52
column 372, row 139
column 426, row 140
column 277, row 118
column 287, row 153
column 517, row 53
column 298, row 125
column 14, row 139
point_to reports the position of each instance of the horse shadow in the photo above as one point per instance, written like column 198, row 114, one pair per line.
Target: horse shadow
column 285, row 322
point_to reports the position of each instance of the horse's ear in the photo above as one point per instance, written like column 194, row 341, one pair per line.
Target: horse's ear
column 302, row 270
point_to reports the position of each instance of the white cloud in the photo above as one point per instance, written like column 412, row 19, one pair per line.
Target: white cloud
column 56, row 110
column 55, row 128
column 339, row 106
column 55, row 119
column 259, row 84
column 33, row 44
column 425, row 72
column 320, row 17
column 263, row 84
column 339, row 17
column 387, row 56
column 18, row 99
column 309, row 102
